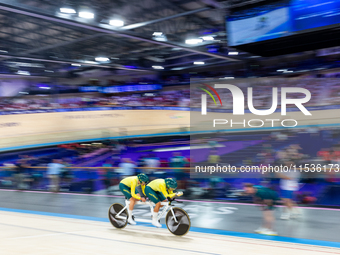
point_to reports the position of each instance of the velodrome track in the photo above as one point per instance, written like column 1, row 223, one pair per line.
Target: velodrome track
column 46, row 223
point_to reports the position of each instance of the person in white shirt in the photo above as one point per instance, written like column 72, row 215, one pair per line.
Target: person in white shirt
column 127, row 168
column 289, row 184
column 151, row 161
column 53, row 173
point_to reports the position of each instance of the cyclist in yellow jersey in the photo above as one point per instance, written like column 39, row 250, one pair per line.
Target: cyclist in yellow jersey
column 128, row 187
column 158, row 191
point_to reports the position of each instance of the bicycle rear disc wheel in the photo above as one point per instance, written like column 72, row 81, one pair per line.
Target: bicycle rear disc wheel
column 183, row 222
column 113, row 211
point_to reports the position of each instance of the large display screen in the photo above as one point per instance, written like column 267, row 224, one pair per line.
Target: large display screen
column 281, row 18
column 259, row 23
column 308, row 14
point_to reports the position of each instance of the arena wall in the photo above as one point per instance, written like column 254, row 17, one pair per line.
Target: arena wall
column 30, row 130
column 44, row 128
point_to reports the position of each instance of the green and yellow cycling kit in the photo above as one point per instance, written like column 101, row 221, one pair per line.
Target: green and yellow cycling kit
column 158, row 185
column 131, row 183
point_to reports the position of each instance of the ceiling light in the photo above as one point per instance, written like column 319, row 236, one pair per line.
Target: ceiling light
column 44, row 87
column 3, row 51
column 199, row 63
column 67, row 10
column 207, row 38
column 178, row 68
column 49, row 71
column 157, row 33
column 193, row 41
column 23, row 73
column 23, row 93
column 102, row 59
column 233, row 53
column 116, row 23
column 160, row 37
column 157, row 67
column 86, row 15
column 75, row 64
column 227, row 78
column 90, row 62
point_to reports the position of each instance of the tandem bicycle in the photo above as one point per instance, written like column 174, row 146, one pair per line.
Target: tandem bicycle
column 177, row 220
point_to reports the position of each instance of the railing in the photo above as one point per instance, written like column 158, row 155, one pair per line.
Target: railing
column 38, row 175
column 105, row 180
column 75, row 179
column 54, row 138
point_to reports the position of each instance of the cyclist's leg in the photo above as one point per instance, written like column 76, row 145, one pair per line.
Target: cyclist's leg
column 153, row 196
column 125, row 190
column 127, row 193
column 133, row 201
column 161, row 198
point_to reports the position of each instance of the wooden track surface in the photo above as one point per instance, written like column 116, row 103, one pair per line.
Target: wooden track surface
column 40, row 235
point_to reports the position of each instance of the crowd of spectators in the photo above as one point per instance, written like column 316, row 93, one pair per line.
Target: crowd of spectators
column 321, row 94
column 174, row 98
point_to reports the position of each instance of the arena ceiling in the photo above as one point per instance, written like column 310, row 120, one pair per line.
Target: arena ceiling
column 36, row 37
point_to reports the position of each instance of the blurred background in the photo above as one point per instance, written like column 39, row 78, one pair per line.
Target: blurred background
column 93, row 91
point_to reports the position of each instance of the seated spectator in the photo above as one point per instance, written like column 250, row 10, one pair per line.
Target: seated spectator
column 326, row 155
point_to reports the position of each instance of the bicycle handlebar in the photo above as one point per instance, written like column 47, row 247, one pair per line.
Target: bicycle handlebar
column 174, row 200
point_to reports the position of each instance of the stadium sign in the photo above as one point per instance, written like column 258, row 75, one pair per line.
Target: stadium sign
column 239, row 102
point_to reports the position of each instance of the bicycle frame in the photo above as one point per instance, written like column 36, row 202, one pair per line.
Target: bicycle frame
column 166, row 206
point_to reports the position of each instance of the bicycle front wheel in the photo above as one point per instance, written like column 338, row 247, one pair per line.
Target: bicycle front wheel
column 118, row 221
column 183, row 221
